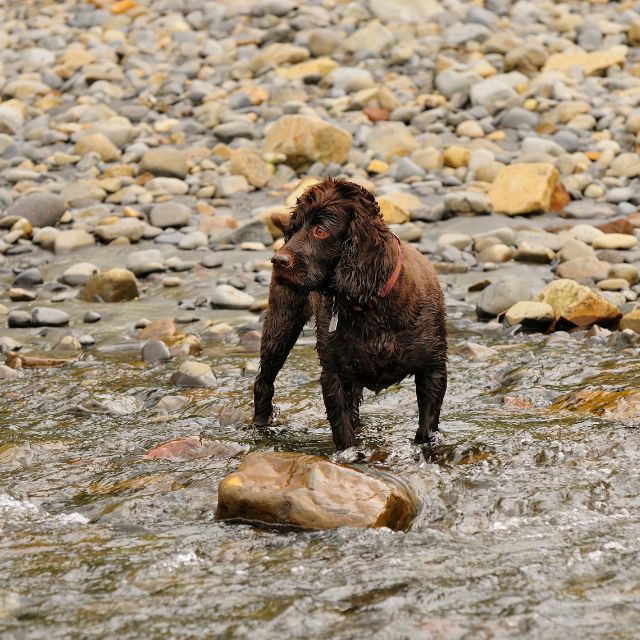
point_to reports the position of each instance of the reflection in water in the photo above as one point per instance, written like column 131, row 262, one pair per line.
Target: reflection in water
column 529, row 523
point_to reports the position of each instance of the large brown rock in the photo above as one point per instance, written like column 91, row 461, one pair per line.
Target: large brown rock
column 310, row 492
column 113, row 285
column 524, row 188
column 576, row 304
column 305, row 139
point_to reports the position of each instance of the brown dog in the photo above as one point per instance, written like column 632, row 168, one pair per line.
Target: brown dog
column 378, row 305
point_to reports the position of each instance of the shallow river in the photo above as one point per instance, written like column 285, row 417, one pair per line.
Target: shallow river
column 529, row 524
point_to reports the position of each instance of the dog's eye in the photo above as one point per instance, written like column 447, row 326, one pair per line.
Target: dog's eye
column 319, row 232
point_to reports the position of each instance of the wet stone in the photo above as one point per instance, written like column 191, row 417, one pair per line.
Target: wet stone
column 19, row 319
column 40, row 209
column 91, row 316
column 155, row 351
column 194, row 374
column 47, row 317
column 28, row 278
column 293, row 489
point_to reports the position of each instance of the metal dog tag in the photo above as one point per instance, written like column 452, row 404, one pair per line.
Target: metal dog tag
column 333, row 323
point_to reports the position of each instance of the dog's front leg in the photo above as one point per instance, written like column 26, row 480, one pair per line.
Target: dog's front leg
column 431, row 386
column 338, row 401
column 287, row 313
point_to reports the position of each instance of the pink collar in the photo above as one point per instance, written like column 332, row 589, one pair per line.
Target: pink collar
column 391, row 282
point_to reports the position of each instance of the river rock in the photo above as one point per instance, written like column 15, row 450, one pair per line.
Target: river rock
column 627, row 271
column 194, row 448
column 170, row 214
column 615, row 241
column 194, row 374
column 113, row 285
column 129, row 228
column 304, row 139
column 501, row 295
column 620, row 405
column 533, row 252
column 142, row 263
column 159, row 330
column 250, row 164
column 535, row 315
column 155, row 351
column 495, row 253
column 40, row 209
column 253, row 231
column 98, row 143
column 524, row 188
column 631, row 321
column 300, row 490
column 72, row 240
column 47, row 317
column 585, row 268
column 164, row 161
column 28, row 278
column 78, row 273
column 577, row 305
column 464, row 202
column 225, row 296
column 590, row 63
column 573, row 248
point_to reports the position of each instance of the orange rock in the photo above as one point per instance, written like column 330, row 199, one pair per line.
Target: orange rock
column 310, row 492
column 622, row 225
column 193, row 448
column 19, row 361
column 594, row 156
column 375, row 114
column 158, row 330
column 560, row 198
column 122, row 6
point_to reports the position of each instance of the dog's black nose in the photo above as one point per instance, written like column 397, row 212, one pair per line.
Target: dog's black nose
column 281, row 260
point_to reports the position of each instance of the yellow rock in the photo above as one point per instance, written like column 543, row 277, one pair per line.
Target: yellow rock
column 305, row 139
column 317, row 67
column 576, row 304
column 524, row 188
column 392, row 212
column 456, row 156
column 591, row 63
column 631, row 321
column 377, row 166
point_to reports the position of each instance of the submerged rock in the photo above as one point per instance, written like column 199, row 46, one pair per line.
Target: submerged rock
column 300, row 490
column 194, row 448
column 194, row 374
column 621, row 405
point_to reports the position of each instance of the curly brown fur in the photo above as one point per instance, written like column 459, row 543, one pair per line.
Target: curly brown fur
column 338, row 256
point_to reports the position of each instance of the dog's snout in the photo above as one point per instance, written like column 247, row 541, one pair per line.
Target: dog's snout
column 282, row 260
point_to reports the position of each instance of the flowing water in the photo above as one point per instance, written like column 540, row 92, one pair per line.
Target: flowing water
column 529, row 524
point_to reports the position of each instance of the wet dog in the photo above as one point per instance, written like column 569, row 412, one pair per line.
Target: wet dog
column 378, row 306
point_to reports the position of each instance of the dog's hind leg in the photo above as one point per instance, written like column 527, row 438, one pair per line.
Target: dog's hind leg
column 338, row 400
column 431, row 385
column 287, row 313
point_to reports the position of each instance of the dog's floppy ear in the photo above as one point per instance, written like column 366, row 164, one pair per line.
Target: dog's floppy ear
column 281, row 219
column 362, row 269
